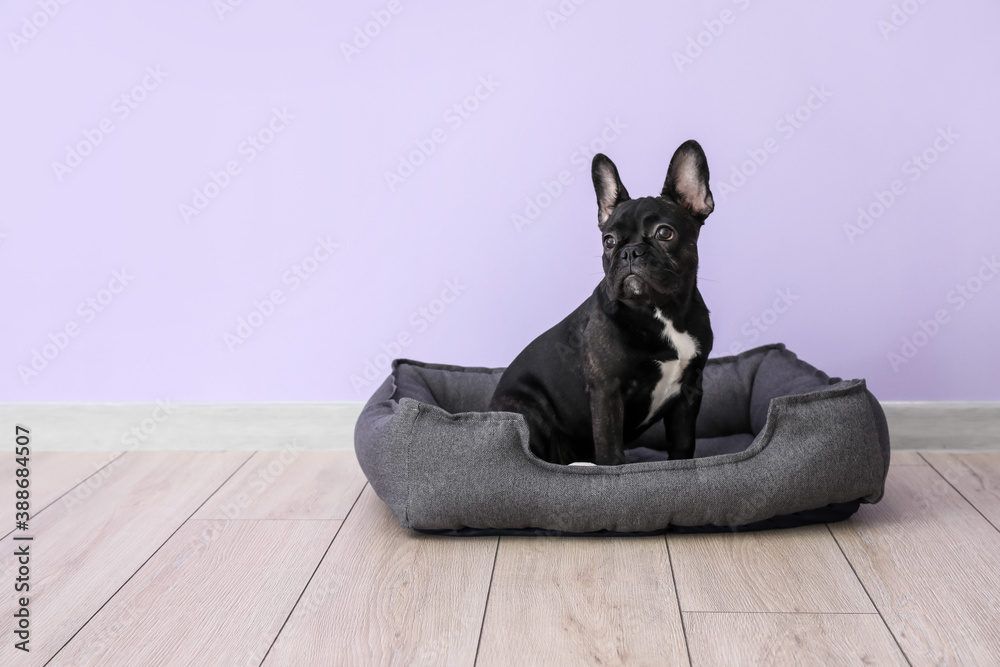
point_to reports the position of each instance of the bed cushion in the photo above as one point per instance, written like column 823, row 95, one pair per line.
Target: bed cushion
column 780, row 443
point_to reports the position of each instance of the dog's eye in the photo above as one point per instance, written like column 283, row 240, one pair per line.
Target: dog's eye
column 609, row 241
column 665, row 233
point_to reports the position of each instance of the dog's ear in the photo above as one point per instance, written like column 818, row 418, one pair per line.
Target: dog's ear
column 610, row 191
column 687, row 180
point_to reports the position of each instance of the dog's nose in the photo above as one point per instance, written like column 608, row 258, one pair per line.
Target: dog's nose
column 631, row 252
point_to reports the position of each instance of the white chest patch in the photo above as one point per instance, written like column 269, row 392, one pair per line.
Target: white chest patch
column 669, row 384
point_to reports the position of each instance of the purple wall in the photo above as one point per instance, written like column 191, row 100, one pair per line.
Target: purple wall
column 169, row 169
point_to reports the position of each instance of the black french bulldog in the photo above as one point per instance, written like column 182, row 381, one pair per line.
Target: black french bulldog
column 633, row 352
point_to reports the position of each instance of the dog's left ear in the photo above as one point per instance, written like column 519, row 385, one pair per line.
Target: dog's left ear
column 609, row 188
column 687, row 180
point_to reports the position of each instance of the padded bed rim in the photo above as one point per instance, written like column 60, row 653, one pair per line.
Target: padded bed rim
column 760, row 442
column 411, row 480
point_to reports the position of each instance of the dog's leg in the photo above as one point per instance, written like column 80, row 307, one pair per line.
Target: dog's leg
column 607, row 411
column 680, row 420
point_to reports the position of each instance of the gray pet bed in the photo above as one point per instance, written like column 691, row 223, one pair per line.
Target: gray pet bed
column 779, row 444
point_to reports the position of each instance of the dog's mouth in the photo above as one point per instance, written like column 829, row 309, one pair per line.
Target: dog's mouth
column 633, row 287
column 637, row 287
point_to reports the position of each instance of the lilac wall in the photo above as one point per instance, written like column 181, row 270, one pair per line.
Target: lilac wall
column 300, row 133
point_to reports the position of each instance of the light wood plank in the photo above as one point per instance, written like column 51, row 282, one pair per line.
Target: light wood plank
column 931, row 563
column 582, row 601
column 796, row 640
column 51, row 475
column 289, row 484
column 793, row 570
column 206, row 598
column 906, row 457
column 976, row 475
column 85, row 549
column 387, row 595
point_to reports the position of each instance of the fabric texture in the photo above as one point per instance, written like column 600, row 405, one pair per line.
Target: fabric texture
column 776, row 438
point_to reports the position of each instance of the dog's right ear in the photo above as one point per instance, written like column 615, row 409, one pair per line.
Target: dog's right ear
column 610, row 191
column 687, row 180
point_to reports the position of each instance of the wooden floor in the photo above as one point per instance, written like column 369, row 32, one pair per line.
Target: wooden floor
column 289, row 558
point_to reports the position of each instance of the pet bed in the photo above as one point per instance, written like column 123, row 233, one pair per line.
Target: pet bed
column 779, row 444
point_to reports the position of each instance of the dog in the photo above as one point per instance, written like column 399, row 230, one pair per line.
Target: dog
column 634, row 351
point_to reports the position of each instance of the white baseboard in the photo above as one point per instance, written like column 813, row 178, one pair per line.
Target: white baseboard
column 184, row 426
column 967, row 425
column 964, row 425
